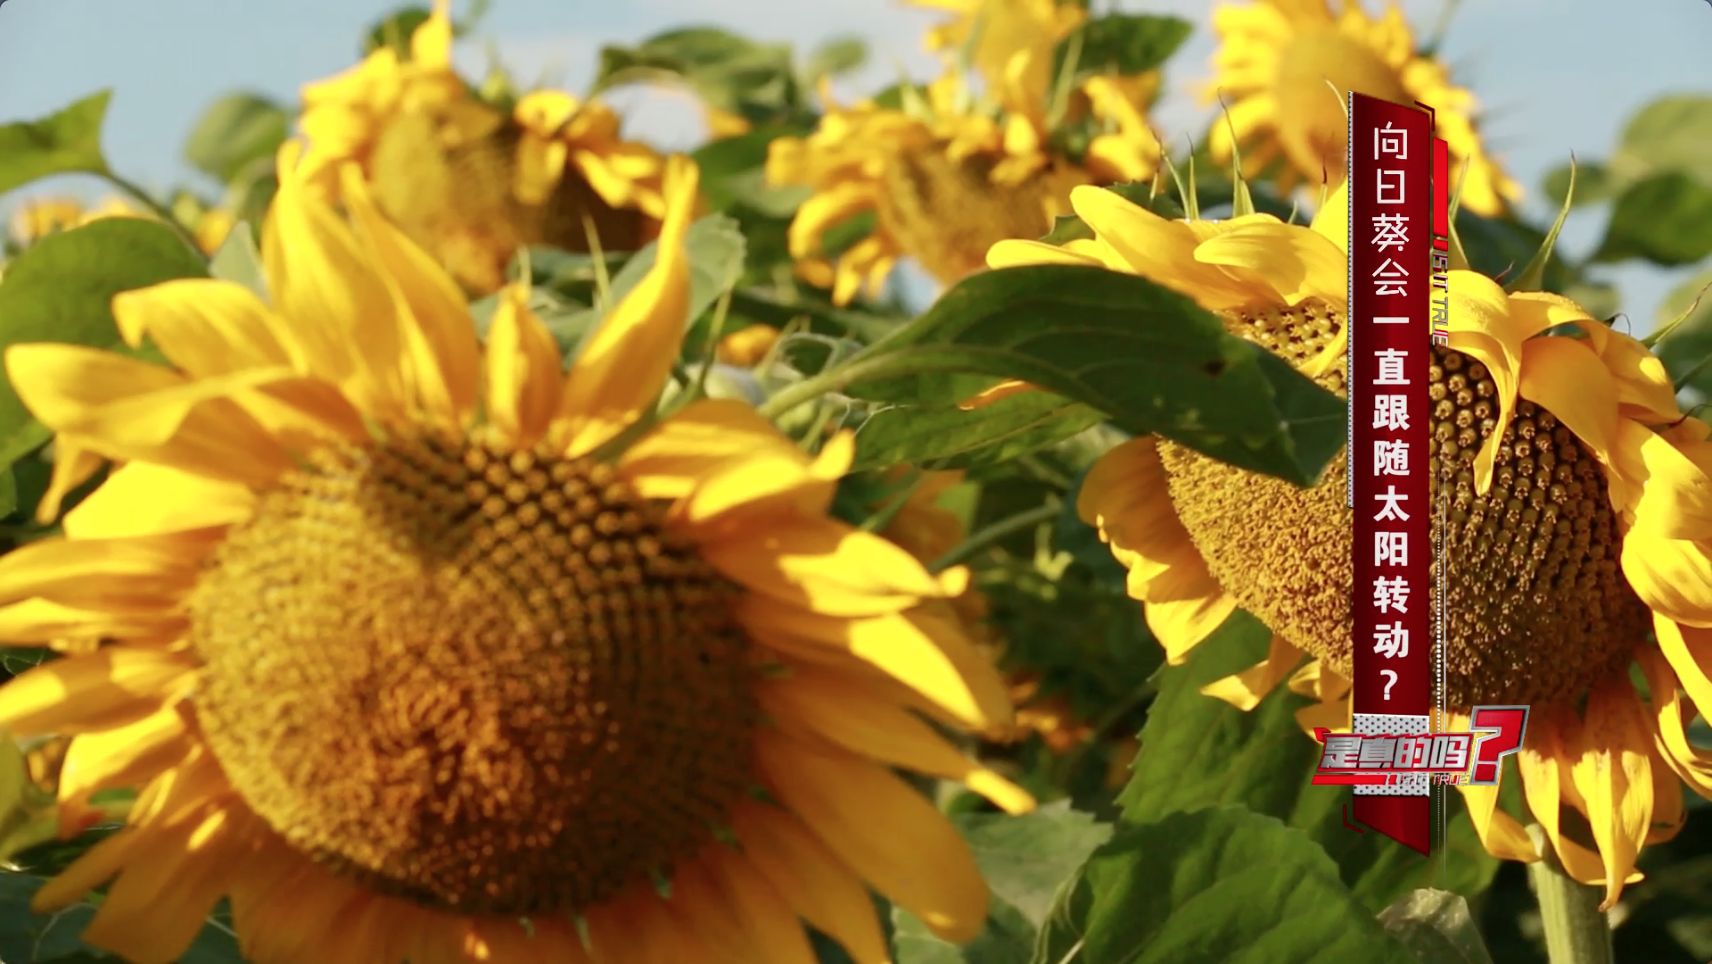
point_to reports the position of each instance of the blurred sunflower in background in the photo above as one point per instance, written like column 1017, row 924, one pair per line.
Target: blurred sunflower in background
column 38, row 218
column 420, row 649
column 470, row 179
column 983, row 154
column 1280, row 69
column 1579, row 539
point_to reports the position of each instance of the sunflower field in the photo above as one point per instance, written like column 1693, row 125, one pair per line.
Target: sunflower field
column 452, row 531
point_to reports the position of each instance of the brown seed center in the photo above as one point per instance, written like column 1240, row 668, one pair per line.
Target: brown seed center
column 475, row 678
column 1537, row 605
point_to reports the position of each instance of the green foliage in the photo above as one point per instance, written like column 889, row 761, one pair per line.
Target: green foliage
column 65, row 142
column 1665, row 219
column 948, row 437
column 237, row 134
column 1436, row 928
column 756, row 81
column 1024, row 859
column 1197, row 752
column 1149, row 358
column 1213, row 886
column 1125, row 44
column 30, row 938
column 60, row 290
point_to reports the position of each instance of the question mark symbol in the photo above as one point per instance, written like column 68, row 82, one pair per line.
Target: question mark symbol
column 1390, row 682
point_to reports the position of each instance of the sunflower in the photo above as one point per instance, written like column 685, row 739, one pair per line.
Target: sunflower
column 1282, row 66
column 1579, row 531
column 469, row 180
column 422, row 649
column 1010, row 42
column 941, row 177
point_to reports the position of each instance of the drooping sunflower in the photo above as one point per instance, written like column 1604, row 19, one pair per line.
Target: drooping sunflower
column 944, row 175
column 1579, row 518
column 1282, row 67
column 473, row 181
column 422, row 649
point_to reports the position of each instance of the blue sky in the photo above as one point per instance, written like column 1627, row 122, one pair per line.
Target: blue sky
column 1553, row 76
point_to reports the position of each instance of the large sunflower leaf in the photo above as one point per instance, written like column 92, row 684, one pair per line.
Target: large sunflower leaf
column 61, row 290
column 1221, row 885
column 952, row 438
column 1197, row 751
column 1025, row 860
column 1665, row 218
column 65, row 142
column 1149, row 358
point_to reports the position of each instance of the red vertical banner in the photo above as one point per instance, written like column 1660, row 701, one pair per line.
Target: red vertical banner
column 1391, row 201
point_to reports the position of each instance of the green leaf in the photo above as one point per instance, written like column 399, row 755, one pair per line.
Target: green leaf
column 8, row 492
column 1217, row 886
column 1198, row 751
column 1083, row 541
column 1593, row 183
column 61, row 289
column 1436, row 928
column 30, row 938
column 1687, row 350
column 66, row 142
column 1127, row 44
column 1149, row 358
column 837, row 56
column 234, row 132
column 945, row 434
column 733, row 172
column 1665, row 218
column 730, row 72
column 1024, row 859
column 240, row 261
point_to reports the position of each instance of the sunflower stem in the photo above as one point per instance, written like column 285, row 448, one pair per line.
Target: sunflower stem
column 867, row 366
column 1577, row 931
column 996, row 532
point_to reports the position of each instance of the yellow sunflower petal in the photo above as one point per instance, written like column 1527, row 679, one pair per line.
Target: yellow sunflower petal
column 141, row 499
column 524, row 384
column 766, row 915
column 323, row 283
column 781, row 484
column 1568, row 380
column 130, row 410
column 624, row 363
column 205, row 327
column 441, row 353
column 910, row 647
column 1295, row 262
column 111, row 687
column 1672, row 576
column 1542, row 765
column 844, row 712
column 173, row 881
column 143, row 574
column 1614, row 777
column 887, row 832
column 669, row 461
column 819, row 885
column 831, row 568
column 126, row 756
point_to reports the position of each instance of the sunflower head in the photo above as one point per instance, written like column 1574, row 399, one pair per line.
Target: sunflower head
column 435, row 635
column 943, row 176
column 473, row 181
column 1571, row 490
column 1009, row 43
column 1282, row 67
